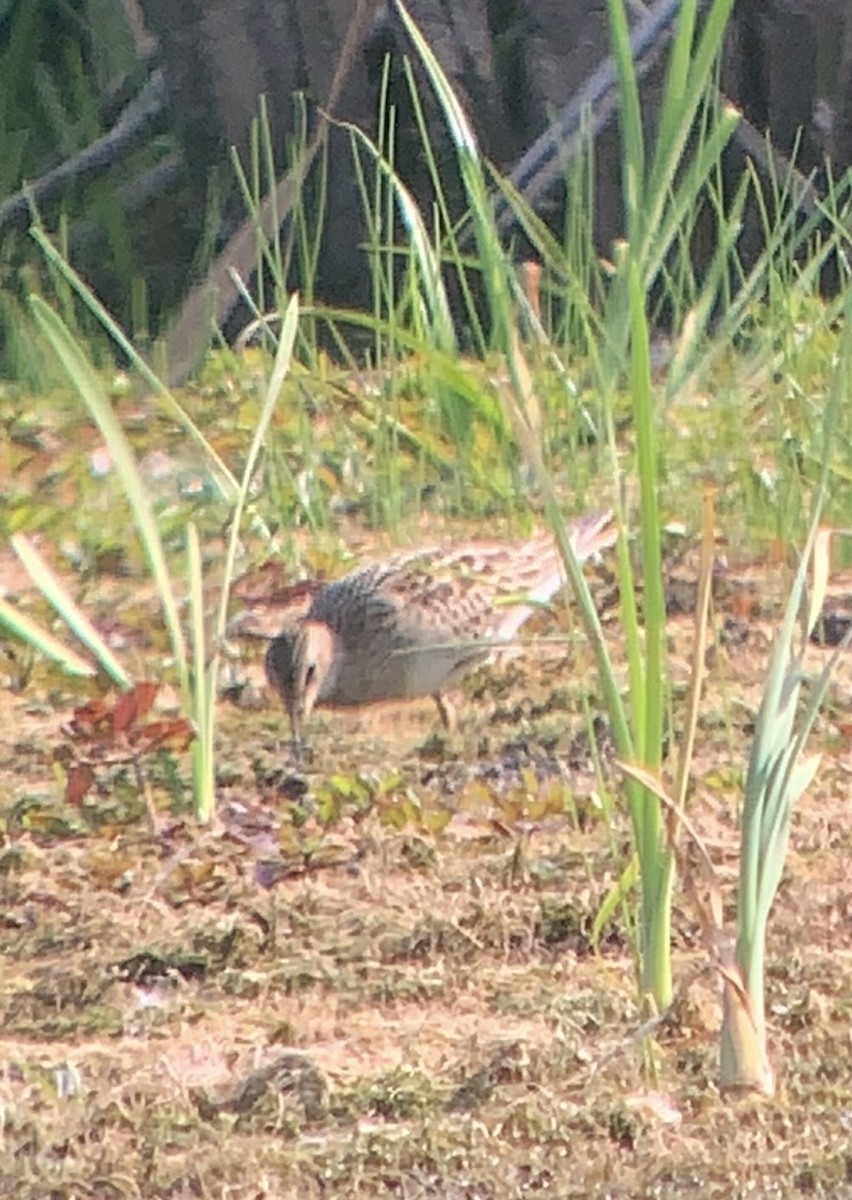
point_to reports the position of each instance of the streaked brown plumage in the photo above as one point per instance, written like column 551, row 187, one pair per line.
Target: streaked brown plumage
column 414, row 623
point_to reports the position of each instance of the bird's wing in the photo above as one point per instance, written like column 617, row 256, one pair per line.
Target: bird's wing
column 460, row 593
column 463, row 592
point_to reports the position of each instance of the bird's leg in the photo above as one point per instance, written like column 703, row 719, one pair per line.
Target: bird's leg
column 447, row 712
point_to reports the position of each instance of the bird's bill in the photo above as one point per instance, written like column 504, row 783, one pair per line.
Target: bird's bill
column 295, row 713
column 299, row 711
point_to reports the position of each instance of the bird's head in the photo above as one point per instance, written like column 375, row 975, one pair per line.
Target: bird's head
column 298, row 663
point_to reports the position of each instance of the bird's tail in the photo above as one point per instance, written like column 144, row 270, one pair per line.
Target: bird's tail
column 592, row 533
column 589, row 536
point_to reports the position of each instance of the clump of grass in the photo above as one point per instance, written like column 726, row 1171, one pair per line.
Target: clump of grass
column 661, row 192
column 197, row 662
column 777, row 777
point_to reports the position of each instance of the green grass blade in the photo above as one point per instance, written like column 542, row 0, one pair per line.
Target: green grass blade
column 677, row 83
column 494, row 265
column 440, row 321
column 203, row 687
column 45, row 643
column 280, row 370
column 55, row 592
column 223, row 477
column 630, row 112
column 91, row 391
column 647, row 465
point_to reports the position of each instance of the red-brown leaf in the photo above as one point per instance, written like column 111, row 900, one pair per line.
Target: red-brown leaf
column 91, row 720
column 133, row 705
column 80, row 779
column 174, row 734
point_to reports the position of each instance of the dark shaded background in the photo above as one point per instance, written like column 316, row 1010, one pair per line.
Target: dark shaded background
column 788, row 64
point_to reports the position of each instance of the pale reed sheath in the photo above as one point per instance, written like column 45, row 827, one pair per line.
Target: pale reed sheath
column 414, row 623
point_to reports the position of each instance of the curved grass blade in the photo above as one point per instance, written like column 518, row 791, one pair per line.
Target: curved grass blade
column 85, row 380
column 224, row 479
column 40, row 639
column 56, row 594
